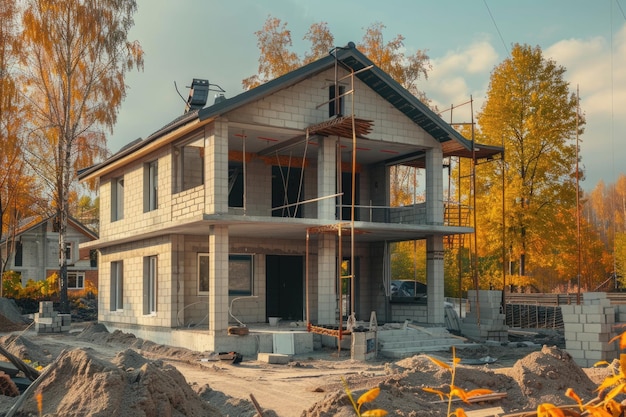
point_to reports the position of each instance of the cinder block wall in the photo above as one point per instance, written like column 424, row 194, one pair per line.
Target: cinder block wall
column 588, row 329
column 484, row 320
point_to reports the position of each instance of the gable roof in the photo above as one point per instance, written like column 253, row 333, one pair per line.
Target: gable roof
column 349, row 57
column 32, row 222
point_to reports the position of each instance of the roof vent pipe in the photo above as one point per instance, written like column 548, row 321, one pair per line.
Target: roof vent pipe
column 219, row 99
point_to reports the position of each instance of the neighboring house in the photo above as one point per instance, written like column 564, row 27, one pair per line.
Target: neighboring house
column 33, row 252
column 238, row 204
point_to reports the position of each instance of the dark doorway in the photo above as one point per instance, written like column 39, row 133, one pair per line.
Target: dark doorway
column 284, row 286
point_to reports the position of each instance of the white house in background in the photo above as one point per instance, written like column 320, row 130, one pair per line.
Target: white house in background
column 241, row 210
column 33, row 252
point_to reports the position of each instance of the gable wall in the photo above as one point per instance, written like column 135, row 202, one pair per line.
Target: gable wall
column 295, row 107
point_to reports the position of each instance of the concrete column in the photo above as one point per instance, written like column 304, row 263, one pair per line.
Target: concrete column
column 216, row 167
column 326, row 281
column 218, row 278
column 434, row 279
column 434, row 186
column 326, row 177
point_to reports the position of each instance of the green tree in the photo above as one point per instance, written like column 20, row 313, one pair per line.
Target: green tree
column 531, row 111
column 75, row 56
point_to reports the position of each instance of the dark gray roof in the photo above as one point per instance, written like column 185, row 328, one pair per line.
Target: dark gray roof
column 350, row 58
column 375, row 78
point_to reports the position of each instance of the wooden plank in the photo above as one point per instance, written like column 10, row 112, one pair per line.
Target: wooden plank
column 485, row 412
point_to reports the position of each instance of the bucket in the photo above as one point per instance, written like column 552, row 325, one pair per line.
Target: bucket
column 274, row 321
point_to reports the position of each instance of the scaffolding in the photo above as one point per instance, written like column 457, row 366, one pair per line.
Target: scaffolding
column 347, row 127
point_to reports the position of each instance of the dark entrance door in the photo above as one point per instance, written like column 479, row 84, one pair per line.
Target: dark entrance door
column 284, row 286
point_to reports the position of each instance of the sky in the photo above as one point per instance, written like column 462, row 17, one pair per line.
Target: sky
column 465, row 40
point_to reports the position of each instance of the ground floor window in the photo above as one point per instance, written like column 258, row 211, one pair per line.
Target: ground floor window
column 203, row 274
column 75, row 280
column 149, row 285
column 117, row 286
column 240, row 275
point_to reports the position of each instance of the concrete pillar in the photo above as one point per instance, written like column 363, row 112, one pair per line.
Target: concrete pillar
column 434, row 243
column 218, row 278
column 326, row 177
column 326, row 281
column 434, row 186
column 434, row 279
column 216, row 167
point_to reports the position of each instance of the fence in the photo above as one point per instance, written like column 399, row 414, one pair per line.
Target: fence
column 543, row 310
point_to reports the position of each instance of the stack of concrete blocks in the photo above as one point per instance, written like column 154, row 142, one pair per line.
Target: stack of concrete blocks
column 485, row 320
column 50, row 321
column 588, row 329
column 364, row 346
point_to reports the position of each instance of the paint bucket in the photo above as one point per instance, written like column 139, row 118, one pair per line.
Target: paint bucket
column 274, row 321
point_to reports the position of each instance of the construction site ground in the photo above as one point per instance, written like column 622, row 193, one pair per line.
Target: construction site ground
column 90, row 371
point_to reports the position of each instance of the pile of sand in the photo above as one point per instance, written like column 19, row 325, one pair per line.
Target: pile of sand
column 539, row 377
column 80, row 384
column 11, row 318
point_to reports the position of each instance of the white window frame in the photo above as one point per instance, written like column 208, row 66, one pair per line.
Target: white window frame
column 151, row 183
column 117, row 199
column 117, row 286
column 203, row 273
column 150, row 286
column 78, row 276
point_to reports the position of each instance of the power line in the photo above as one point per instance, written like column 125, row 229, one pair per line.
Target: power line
column 497, row 29
column 620, row 8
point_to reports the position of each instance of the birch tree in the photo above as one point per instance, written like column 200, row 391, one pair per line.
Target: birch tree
column 75, row 56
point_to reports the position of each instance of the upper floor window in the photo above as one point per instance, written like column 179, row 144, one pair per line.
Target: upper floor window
column 151, row 176
column 235, row 184
column 69, row 250
column 18, row 254
column 336, row 102
column 117, row 199
column 189, row 161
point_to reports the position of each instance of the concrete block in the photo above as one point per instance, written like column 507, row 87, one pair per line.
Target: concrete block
column 571, row 318
column 572, row 345
column 570, row 327
column 45, row 320
column 596, row 328
column 273, row 358
column 596, row 318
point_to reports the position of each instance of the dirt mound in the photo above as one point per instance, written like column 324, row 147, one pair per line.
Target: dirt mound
column 10, row 312
column 25, row 349
column 80, row 384
column 537, row 378
column 545, row 376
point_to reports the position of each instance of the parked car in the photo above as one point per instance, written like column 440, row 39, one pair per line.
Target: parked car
column 408, row 288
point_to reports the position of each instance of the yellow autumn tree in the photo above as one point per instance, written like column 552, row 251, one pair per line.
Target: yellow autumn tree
column 75, row 56
column 19, row 194
column 531, row 111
